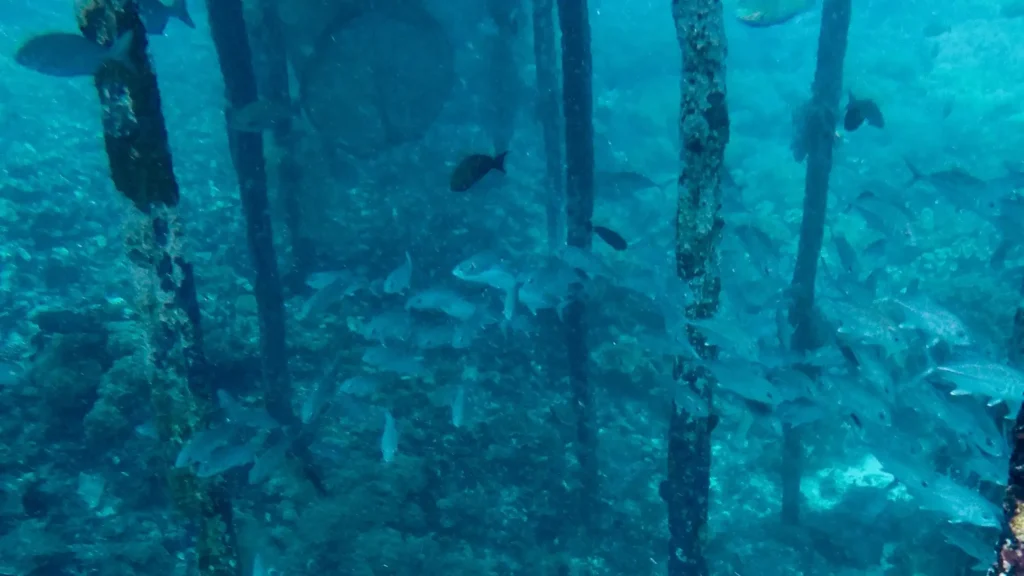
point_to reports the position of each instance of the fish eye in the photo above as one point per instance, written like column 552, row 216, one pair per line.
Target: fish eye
column 881, row 416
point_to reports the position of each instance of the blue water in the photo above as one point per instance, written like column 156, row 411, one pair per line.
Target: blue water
column 437, row 397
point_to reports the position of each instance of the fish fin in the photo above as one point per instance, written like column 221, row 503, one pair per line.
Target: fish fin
column 959, row 392
column 120, row 51
column 181, row 11
column 915, row 174
column 499, row 162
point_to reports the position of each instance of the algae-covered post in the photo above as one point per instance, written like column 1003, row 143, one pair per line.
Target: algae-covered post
column 231, row 40
column 817, row 133
column 141, row 168
column 703, row 134
column 274, row 57
column 545, row 56
column 1009, row 559
column 579, row 160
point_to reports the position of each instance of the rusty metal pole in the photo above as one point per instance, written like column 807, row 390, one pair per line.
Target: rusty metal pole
column 704, row 134
column 142, row 170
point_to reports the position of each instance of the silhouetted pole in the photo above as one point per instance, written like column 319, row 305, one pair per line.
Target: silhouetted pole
column 577, row 70
column 545, row 56
column 274, row 57
column 231, row 41
column 703, row 136
column 818, row 134
column 142, row 170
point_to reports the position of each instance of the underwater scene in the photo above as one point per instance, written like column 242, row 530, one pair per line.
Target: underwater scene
column 511, row 287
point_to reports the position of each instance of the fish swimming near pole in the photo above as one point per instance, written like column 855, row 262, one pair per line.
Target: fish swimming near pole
column 156, row 14
column 67, row 55
column 860, row 110
column 610, row 237
column 763, row 14
column 473, row 168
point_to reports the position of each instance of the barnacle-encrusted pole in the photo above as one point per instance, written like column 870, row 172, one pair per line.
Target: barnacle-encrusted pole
column 1010, row 548
column 818, row 134
column 141, row 168
column 545, row 55
column 231, row 40
column 289, row 174
column 577, row 70
column 703, row 134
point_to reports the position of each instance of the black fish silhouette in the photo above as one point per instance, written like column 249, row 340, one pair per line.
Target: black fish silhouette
column 473, row 168
column 857, row 111
column 610, row 237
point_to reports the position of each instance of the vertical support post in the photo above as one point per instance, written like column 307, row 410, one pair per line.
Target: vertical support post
column 1010, row 546
column 577, row 71
column 704, row 134
column 141, row 167
column 274, row 57
column 231, row 40
column 818, row 134
column 545, row 55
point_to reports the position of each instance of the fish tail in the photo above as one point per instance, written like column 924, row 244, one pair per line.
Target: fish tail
column 915, row 174
column 499, row 161
column 181, row 11
column 120, row 51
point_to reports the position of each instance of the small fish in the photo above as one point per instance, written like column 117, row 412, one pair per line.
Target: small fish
column 389, row 439
column 987, row 379
column 860, row 110
column 259, row 116
column 442, row 300
column 610, row 237
column 67, row 55
column 203, row 443
column 155, row 14
column 388, row 325
column 241, row 415
column 269, row 461
column 399, row 279
column 323, row 390
column 393, row 360
column 473, row 168
column 225, row 458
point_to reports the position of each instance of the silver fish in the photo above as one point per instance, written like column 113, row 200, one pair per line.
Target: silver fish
column 66, row 55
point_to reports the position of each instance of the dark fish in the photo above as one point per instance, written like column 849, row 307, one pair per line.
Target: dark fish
column 155, row 14
column 955, row 179
column 473, row 168
column 858, row 111
column 610, row 237
column 66, row 55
